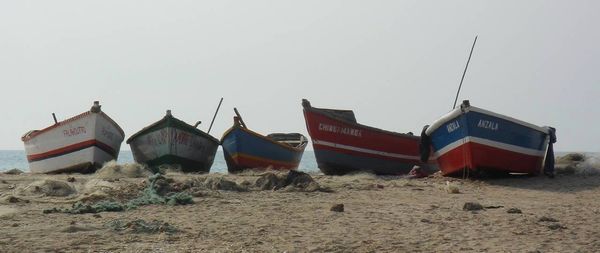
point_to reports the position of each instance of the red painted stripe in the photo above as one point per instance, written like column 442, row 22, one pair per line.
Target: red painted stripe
column 72, row 148
column 249, row 161
column 356, row 135
column 361, row 154
column 473, row 155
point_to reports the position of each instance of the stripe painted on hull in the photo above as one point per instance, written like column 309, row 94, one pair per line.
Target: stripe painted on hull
column 243, row 141
column 244, row 160
column 72, row 148
column 493, row 144
column 332, row 162
column 364, row 150
column 85, row 160
column 473, row 156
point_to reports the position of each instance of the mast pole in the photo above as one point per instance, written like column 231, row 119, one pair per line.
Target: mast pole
column 464, row 72
column 213, row 119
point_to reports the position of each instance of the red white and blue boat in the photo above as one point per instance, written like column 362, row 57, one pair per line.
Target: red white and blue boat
column 342, row 145
column 79, row 144
column 245, row 149
column 470, row 141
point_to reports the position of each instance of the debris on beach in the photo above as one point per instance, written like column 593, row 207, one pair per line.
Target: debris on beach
column 48, row 187
column 78, row 228
column 112, row 170
column 547, row 219
column 337, row 208
column 9, row 199
column 452, row 188
column 290, row 181
column 13, row 172
column 141, row 226
column 167, row 169
column 220, row 183
column 514, row 210
column 81, row 208
column 269, row 181
column 417, row 172
column 472, row 206
column 556, row 226
column 493, row 207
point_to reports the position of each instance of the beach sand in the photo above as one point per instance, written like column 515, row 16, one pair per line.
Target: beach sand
column 381, row 214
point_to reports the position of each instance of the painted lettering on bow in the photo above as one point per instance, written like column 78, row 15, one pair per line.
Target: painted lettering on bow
column 340, row 130
column 173, row 137
column 452, row 126
column 488, row 124
column 108, row 134
column 180, row 138
column 74, row 131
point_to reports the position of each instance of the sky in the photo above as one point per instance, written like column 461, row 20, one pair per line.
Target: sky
column 397, row 64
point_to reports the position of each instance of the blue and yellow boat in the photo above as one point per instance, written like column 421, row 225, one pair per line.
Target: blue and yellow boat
column 245, row 149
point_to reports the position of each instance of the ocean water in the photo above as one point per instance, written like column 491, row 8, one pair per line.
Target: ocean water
column 16, row 159
column 11, row 159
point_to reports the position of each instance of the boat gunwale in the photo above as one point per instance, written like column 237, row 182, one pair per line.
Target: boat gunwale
column 299, row 148
column 147, row 129
column 320, row 112
column 34, row 133
column 460, row 111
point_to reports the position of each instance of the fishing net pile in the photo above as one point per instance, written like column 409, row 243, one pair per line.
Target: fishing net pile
column 100, row 195
column 157, row 192
column 578, row 164
column 112, row 170
column 47, row 187
column 285, row 181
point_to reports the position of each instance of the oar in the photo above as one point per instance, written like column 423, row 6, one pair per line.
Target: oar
column 213, row 120
column 463, row 75
column 239, row 117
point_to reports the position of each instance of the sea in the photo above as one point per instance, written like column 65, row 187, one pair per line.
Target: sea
column 16, row 159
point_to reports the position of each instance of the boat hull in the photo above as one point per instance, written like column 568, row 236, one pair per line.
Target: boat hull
column 477, row 141
column 244, row 149
column 174, row 146
column 342, row 146
column 80, row 144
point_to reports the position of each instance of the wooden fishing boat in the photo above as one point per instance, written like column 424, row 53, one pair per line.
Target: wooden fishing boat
column 342, row 145
column 245, row 149
column 171, row 141
column 79, row 144
column 470, row 140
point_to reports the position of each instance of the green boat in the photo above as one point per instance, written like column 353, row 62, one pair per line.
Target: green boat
column 171, row 141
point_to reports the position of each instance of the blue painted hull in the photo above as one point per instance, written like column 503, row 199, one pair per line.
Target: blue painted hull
column 244, row 149
column 332, row 162
column 479, row 140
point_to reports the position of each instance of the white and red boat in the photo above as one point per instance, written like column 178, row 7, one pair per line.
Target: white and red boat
column 342, row 145
column 79, row 144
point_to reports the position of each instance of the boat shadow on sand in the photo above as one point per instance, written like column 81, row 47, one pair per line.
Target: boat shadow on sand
column 560, row 183
column 573, row 172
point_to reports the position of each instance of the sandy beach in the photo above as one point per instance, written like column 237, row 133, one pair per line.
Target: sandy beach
column 254, row 212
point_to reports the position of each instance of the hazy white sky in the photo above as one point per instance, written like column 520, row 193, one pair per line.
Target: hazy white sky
column 397, row 64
